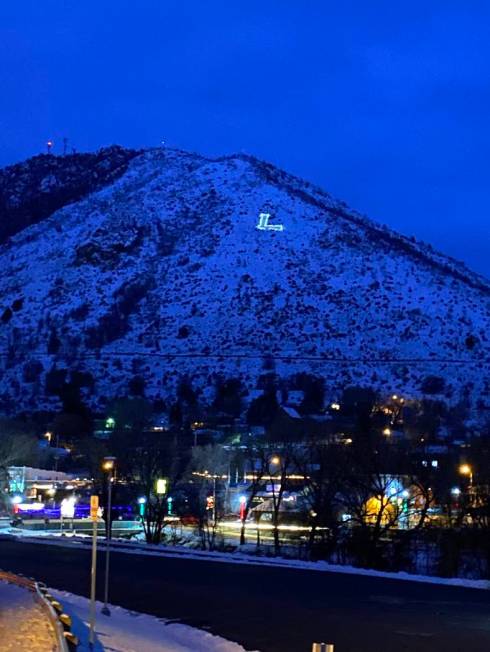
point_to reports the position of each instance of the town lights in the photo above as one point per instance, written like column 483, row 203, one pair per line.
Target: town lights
column 335, row 406
column 275, row 459
column 387, row 432
column 455, row 491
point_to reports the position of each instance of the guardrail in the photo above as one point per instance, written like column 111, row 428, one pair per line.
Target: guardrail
column 66, row 641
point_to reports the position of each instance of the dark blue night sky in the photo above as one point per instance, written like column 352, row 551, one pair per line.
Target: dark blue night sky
column 385, row 104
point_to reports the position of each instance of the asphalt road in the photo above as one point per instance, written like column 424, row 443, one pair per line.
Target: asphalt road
column 274, row 609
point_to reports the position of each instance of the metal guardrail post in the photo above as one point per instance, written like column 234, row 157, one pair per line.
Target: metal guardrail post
column 52, row 607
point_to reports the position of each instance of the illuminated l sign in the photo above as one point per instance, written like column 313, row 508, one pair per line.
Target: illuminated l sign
column 264, row 225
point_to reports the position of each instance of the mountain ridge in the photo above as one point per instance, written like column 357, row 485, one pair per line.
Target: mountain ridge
column 166, row 260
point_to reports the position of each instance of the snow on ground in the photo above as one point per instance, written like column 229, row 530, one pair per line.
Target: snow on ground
column 130, row 631
column 24, row 626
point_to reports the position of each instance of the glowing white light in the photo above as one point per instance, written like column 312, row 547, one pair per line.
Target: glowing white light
column 30, row 507
column 67, row 507
column 264, row 225
column 141, row 501
column 17, row 500
column 243, row 499
column 456, row 491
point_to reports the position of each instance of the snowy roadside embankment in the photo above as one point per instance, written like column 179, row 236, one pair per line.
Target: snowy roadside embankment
column 130, row 631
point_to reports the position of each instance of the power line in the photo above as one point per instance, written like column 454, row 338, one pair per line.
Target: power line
column 259, row 356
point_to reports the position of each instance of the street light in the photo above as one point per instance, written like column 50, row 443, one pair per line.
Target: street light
column 465, row 469
column 243, row 503
column 108, row 465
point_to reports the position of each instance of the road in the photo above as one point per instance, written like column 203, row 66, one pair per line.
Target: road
column 274, row 609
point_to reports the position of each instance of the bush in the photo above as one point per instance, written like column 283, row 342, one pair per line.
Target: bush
column 433, row 385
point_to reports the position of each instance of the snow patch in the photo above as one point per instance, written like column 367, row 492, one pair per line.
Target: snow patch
column 131, row 631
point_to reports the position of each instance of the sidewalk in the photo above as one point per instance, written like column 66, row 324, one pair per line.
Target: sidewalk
column 24, row 626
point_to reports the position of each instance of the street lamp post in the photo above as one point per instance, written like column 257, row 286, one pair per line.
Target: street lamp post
column 466, row 469
column 214, row 502
column 108, row 465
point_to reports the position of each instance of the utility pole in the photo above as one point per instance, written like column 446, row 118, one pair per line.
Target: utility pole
column 108, row 465
column 214, row 501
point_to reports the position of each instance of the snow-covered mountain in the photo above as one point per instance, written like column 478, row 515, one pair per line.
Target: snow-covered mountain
column 155, row 267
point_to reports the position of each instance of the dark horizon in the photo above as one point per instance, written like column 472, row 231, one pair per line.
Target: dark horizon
column 386, row 110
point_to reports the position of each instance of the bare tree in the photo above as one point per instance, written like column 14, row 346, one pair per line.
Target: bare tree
column 144, row 456
column 208, row 471
column 322, row 465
